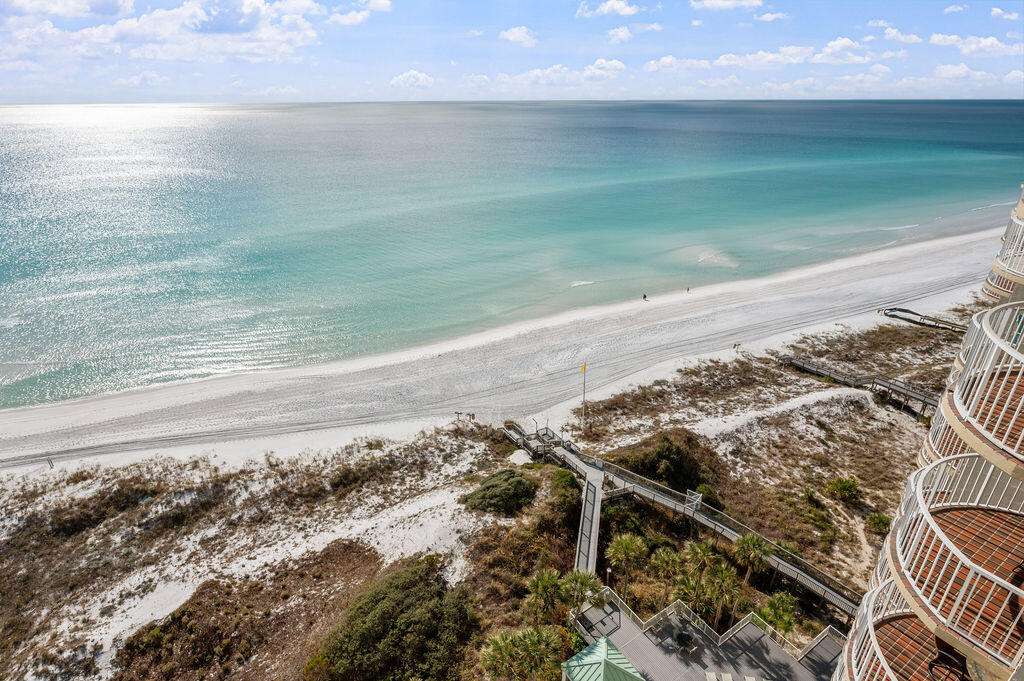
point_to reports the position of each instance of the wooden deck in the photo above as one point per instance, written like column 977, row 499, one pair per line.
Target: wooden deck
column 749, row 652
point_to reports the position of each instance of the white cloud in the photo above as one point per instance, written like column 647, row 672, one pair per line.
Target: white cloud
column 894, row 34
column 696, row 22
column 253, row 31
column 1015, row 77
column 1012, row 16
column 352, row 18
column 476, row 80
column 474, row 33
column 787, row 54
column 801, row 86
column 972, row 44
column 604, row 68
column 412, row 78
column 954, row 8
column 867, row 39
column 842, row 51
column 727, row 82
column 725, row 4
column 276, row 91
column 619, row 35
column 519, row 34
column 648, row 27
column 356, row 16
column 769, row 16
column 69, row 8
column 143, row 79
column 620, row 7
column 670, row 63
column 961, row 70
column 878, row 23
column 20, row 65
column 879, row 69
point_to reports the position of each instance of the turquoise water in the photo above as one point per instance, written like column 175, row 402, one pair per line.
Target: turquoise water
column 141, row 244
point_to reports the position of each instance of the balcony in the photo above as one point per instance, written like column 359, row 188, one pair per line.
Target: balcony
column 1010, row 261
column 956, row 552
column 888, row 642
column 997, row 287
column 942, row 442
column 986, row 405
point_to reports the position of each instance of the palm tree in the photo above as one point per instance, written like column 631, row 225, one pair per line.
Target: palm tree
column 700, row 556
column 689, row 592
column 579, row 586
column 667, row 564
column 546, row 592
column 751, row 551
column 538, row 650
column 626, row 552
column 726, row 588
column 780, row 612
column 501, row 656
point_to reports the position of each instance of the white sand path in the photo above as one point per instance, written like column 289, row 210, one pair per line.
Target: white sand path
column 510, row 372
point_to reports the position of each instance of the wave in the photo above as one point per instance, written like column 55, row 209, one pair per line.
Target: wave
column 993, row 205
column 581, row 283
column 900, row 228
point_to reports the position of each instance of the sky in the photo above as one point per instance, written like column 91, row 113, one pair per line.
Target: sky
column 375, row 50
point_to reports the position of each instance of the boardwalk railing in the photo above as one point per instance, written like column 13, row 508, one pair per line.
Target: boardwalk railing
column 874, row 382
column 689, row 504
column 683, row 611
column 911, row 317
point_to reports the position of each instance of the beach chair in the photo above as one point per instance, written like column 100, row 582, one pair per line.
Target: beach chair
column 710, row 676
column 749, row 678
column 726, row 677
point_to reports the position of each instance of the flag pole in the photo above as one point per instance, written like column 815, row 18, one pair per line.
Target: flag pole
column 584, row 370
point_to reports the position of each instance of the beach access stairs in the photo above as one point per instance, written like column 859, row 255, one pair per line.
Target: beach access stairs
column 893, row 389
column 603, row 480
column 911, row 317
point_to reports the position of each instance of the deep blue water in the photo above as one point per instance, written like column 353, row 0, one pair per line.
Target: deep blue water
column 141, row 244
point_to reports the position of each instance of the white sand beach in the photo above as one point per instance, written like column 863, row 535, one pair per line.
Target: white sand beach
column 519, row 371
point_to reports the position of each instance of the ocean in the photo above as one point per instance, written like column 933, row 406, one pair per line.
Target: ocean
column 150, row 243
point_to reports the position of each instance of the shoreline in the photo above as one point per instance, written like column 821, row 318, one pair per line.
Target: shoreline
column 545, row 351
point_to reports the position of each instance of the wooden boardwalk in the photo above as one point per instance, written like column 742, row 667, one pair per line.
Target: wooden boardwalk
column 911, row 317
column 908, row 392
column 599, row 473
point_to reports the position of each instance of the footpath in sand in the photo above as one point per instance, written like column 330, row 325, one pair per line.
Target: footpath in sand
column 510, row 372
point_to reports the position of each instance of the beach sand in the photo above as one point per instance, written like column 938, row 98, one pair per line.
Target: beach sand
column 522, row 371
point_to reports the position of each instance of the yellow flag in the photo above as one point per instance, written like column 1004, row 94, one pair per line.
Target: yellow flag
column 583, row 368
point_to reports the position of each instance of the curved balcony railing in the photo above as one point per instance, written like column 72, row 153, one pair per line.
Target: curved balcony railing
column 881, row 574
column 1011, row 255
column 970, row 336
column 942, row 442
column 989, row 394
column 864, row 657
column 996, row 286
column 962, row 592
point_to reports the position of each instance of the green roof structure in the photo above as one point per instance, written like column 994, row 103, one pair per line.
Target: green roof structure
column 600, row 661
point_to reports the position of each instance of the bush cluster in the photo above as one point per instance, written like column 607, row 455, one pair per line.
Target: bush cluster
column 506, row 492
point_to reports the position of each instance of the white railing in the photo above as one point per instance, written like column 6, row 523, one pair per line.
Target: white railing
column 970, row 337
column 881, row 574
column 961, row 594
column 997, row 286
column 986, row 394
column 1011, row 255
column 683, row 612
column 942, row 441
column 864, row 659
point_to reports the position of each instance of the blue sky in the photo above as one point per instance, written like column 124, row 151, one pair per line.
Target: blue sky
column 311, row 50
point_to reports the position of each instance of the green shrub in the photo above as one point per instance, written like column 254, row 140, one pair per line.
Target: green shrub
column 843, row 489
column 406, row 626
column 709, row 496
column 675, row 458
column 506, row 492
column 879, row 523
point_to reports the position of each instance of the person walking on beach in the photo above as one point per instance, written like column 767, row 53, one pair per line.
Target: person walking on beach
column 645, row 296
